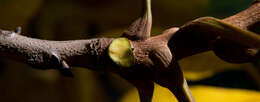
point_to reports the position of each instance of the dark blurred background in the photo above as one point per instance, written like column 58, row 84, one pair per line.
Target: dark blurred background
column 82, row 19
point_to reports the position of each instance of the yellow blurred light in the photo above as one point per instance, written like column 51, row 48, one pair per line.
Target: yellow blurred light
column 200, row 93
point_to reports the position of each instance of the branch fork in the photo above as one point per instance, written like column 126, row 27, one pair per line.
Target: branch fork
column 155, row 58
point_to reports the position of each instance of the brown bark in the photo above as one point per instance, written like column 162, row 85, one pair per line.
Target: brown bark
column 46, row 54
column 155, row 57
column 196, row 37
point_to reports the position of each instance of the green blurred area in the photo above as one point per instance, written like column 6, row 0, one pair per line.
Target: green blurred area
column 81, row 19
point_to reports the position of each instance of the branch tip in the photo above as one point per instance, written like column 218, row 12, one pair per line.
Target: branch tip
column 140, row 29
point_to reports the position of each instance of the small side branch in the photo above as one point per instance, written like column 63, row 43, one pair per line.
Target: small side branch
column 140, row 29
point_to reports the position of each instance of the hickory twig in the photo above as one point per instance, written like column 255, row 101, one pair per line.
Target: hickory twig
column 155, row 58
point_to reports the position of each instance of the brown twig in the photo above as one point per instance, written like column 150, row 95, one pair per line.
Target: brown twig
column 155, row 58
column 46, row 54
column 233, row 44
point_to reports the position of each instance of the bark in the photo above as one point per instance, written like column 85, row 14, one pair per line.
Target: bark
column 230, row 45
column 155, row 58
column 45, row 54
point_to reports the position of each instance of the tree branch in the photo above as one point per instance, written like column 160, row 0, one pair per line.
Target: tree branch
column 46, row 54
column 228, row 38
column 155, row 58
column 247, row 18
